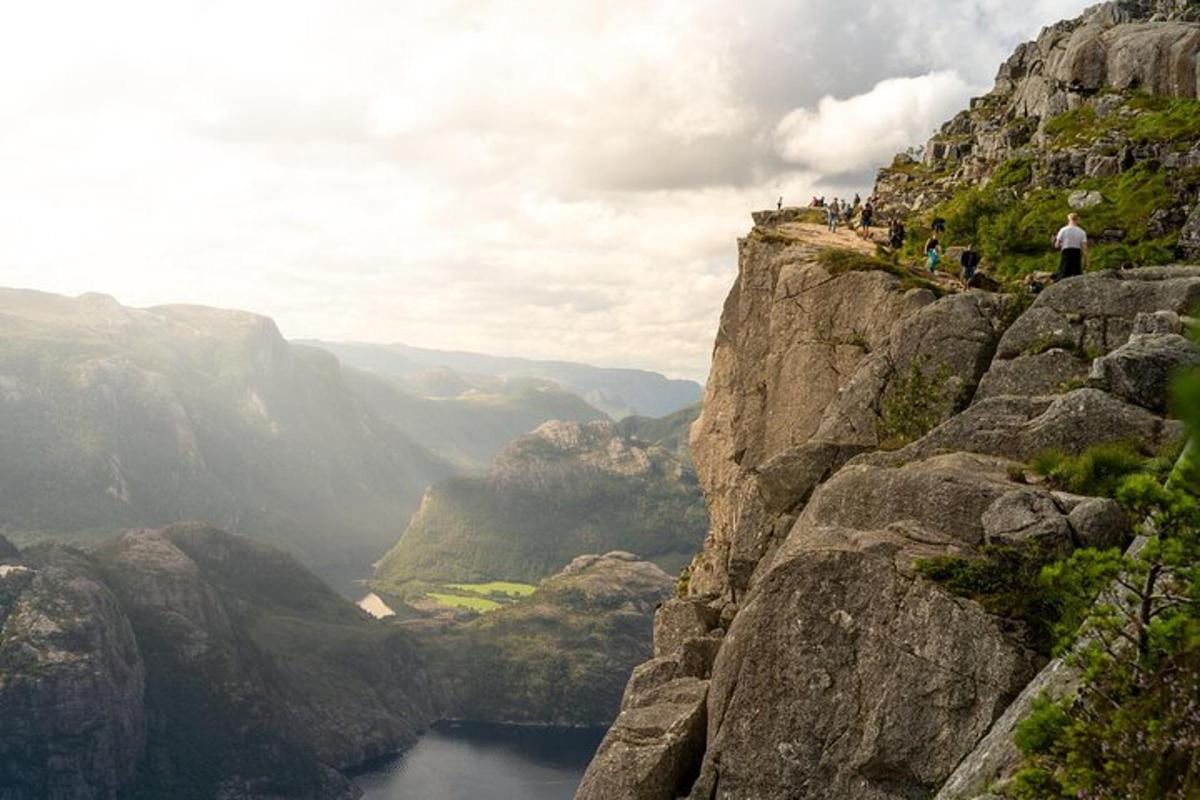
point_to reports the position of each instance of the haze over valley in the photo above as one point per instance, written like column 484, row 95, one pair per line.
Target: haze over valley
column 769, row 400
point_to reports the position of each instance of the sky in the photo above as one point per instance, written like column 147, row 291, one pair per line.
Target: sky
column 543, row 178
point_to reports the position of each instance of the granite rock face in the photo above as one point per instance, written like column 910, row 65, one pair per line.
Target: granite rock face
column 832, row 669
column 190, row 663
column 71, row 684
column 804, row 356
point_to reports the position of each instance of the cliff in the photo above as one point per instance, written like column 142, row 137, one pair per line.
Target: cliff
column 856, row 423
column 190, row 663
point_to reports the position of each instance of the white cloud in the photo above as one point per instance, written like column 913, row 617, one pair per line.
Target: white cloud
column 854, row 134
column 519, row 176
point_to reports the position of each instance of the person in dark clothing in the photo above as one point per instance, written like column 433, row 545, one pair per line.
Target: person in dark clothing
column 868, row 213
column 896, row 234
column 1072, row 241
column 779, row 205
column 939, row 225
column 970, row 263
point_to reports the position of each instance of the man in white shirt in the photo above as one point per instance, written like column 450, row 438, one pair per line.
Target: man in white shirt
column 1073, row 242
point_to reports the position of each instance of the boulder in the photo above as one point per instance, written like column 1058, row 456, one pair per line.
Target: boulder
column 653, row 750
column 1141, row 370
column 1027, row 515
column 1053, row 372
column 996, row 757
column 1096, row 312
column 822, row 688
column 1100, row 522
column 789, row 478
column 8, row 550
column 679, row 620
column 1082, row 199
column 697, row 656
column 1019, row 428
column 1158, row 322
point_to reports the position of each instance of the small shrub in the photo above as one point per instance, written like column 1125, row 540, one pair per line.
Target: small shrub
column 915, row 403
column 1006, row 580
column 1038, row 732
column 683, row 581
column 1097, row 471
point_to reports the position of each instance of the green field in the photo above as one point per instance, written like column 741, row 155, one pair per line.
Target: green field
column 506, row 588
column 480, row 604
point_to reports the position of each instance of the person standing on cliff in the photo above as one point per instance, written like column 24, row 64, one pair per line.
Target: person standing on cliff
column 832, row 213
column 868, row 213
column 779, row 205
column 1072, row 241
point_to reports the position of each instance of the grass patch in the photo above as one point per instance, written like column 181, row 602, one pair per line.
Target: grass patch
column 1013, row 230
column 1100, row 470
column 840, row 262
column 481, row 605
column 504, row 588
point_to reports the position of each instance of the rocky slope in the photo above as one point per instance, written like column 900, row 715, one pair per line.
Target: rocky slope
column 190, row 663
column 1100, row 115
column 568, row 489
column 839, row 670
column 811, row 659
column 112, row 417
column 558, row 657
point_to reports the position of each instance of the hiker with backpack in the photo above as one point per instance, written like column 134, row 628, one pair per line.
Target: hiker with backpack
column 1072, row 241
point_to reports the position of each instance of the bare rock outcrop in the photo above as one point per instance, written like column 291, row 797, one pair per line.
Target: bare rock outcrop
column 805, row 354
column 833, row 669
column 73, row 721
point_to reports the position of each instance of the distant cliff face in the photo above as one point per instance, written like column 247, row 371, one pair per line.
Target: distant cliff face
column 565, row 490
column 72, row 680
column 189, row 663
column 855, row 421
column 114, row 417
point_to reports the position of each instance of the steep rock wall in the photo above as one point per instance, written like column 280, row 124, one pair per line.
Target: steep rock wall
column 809, row 660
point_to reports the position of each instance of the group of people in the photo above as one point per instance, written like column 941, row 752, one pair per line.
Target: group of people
column 839, row 211
column 1071, row 241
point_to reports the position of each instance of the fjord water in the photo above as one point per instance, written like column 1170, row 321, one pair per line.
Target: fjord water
column 467, row 761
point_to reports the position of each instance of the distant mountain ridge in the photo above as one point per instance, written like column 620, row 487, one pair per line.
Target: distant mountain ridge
column 617, row 392
column 114, row 417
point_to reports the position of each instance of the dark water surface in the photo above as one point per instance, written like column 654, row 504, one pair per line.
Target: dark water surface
column 469, row 761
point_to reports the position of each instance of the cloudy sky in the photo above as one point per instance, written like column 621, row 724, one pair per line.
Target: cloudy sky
column 549, row 178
